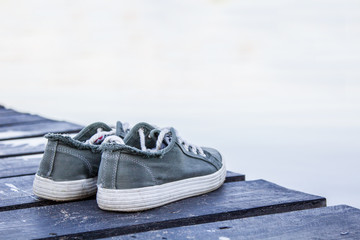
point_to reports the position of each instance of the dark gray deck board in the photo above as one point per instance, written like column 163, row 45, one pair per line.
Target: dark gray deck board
column 19, row 147
column 18, row 119
column 337, row 222
column 37, row 129
column 8, row 112
column 18, row 166
column 16, row 192
column 228, row 212
column 84, row 219
column 234, row 177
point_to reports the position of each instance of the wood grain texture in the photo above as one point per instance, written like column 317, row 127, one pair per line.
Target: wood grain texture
column 18, row 119
column 84, row 219
column 16, row 192
column 19, row 147
column 37, row 129
column 336, row 222
column 8, row 112
column 19, row 166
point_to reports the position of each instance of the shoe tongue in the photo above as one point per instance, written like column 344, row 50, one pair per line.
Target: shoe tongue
column 120, row 129
column 87, row 132
column 133, row 137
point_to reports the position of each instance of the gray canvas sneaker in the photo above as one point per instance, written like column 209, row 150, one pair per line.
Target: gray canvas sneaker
column 69, row 167
column 152, row 167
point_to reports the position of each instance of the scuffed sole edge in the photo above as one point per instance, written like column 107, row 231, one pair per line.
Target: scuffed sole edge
column 139, row 199
column 64, row 190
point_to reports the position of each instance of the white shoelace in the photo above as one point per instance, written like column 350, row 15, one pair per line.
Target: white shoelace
column 107, row 136
column 98, row 137
column 113, row 139
column 162, row 137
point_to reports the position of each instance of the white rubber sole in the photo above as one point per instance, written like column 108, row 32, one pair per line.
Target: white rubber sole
column 64, row 190
column 139, row 199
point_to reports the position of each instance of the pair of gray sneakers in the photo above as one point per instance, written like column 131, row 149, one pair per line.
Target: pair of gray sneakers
column 130, row 169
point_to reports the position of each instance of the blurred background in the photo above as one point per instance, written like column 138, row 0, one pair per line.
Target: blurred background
column 274, row 85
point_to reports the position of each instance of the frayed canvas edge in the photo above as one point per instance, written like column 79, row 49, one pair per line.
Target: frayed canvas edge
column 128, row 149
column 69, row 141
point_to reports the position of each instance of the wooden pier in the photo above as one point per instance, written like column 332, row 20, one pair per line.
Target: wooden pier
column 238, row 210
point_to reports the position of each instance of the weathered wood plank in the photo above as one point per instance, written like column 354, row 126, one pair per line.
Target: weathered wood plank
column 16, row 192
column 23, row 118
column 20, row 147
column 37, row 129
column 234, row 177
column 84, row 219
column 18, row 166
column 24, row 146
column 336, row 222
column 8, row 112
